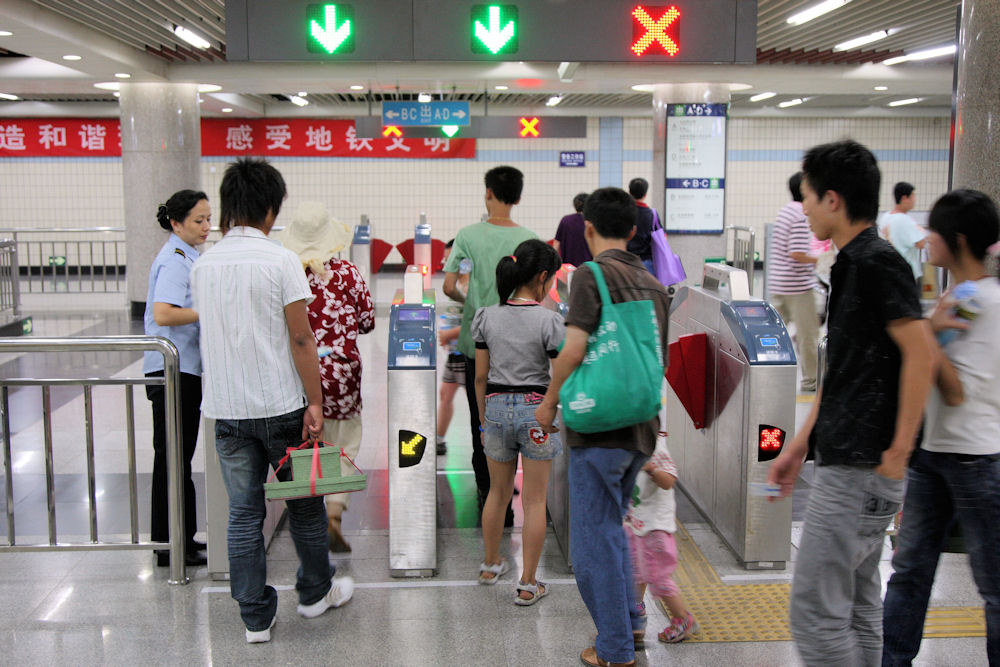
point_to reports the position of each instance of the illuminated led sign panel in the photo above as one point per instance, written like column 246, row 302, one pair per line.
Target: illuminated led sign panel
column 684, row 31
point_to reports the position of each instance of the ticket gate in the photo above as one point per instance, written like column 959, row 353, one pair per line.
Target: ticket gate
column 730, row 409
column 412, row 419
column 422, row 249
column 361, row 248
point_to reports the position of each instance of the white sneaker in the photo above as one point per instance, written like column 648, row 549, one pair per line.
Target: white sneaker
column 261, row 636
column 341, row 590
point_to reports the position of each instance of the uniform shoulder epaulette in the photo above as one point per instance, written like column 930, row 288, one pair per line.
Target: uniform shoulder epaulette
column 178, row 251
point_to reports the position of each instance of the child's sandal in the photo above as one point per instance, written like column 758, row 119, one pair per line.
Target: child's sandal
column 538, row 590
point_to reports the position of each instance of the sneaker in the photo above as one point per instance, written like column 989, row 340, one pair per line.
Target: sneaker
column 679, row 630
column 261, row 636
column 341, row 590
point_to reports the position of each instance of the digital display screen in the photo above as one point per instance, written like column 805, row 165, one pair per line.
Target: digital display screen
column 415, row 315
column 769, row 342
column 752, row 311
column 411, row 346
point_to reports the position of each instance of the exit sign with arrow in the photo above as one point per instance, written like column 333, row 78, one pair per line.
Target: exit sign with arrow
column 330, row 29
column 494, row 29
column 434, row 114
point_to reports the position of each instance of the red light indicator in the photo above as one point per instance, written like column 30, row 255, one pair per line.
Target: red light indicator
column 391, row 130
column 529, row 126
column 647, row 31
column 771, row 440
column 423, row 269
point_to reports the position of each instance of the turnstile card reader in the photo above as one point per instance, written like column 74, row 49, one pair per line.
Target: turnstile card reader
column 765, row 338
column 412, row 421
column 361, row 248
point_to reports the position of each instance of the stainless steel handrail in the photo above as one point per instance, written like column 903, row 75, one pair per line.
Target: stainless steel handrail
column 175, row 487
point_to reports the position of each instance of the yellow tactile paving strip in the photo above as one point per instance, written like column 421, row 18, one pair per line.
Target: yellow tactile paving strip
column 759, row 612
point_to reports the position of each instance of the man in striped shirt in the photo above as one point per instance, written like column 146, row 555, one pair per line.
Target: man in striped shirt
column 791, row 279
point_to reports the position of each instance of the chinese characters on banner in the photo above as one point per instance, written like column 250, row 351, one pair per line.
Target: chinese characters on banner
column 263, row 137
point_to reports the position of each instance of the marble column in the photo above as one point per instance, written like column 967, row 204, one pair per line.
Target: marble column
column 692, row 248
column 161, row 154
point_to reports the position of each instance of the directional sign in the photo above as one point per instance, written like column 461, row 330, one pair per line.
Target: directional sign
column 330, row 29
column 484, row 127
column 494, row 29
column 424, row 114
column 529, row 127
column 649, row 30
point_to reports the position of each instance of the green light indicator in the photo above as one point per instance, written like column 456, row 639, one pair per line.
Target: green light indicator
column 494, row 29
column 324, row 34
column 449, row 130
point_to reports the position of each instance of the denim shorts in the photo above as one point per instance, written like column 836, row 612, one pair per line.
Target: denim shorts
column 509, row 427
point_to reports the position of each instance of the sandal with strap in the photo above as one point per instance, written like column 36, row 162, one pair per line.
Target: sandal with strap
column 538, row 590
column 497, row 571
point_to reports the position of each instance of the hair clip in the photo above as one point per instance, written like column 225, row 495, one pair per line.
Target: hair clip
column 513, row 258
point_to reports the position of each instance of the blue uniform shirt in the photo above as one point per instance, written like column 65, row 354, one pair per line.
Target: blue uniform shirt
column 169, row 282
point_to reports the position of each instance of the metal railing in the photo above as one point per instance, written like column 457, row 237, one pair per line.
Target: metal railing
column 171, row 382
column 10, row 293
column 743, row 248
column 68, row 259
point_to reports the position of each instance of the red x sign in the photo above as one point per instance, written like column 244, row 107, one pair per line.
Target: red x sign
column 646, row 31
column 393, row 130
column 529, row 126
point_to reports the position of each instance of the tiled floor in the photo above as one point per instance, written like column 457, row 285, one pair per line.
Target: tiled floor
column 116, row 607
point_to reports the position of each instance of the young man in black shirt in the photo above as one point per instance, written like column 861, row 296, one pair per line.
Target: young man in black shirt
column 865, row 418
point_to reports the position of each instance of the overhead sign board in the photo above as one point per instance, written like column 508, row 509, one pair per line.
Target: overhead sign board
column 696, row 168
column 482, row 127
column 682, row 31
column 424, row 114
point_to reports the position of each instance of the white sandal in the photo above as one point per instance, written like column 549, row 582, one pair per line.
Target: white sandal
column 497, row 571
column 536, row 595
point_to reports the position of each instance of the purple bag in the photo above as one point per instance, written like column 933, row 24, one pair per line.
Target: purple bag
column 667, row 266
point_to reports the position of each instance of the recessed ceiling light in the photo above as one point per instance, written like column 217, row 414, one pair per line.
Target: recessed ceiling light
column 861, row 41
column 554, row 100
column 736, row 87
column 881, row 88
column 209, row 87
column 791, row 103
column 226, row 109
column 424, row 98
column 116, row 94
column 298, row 101
column 192, row 38
column 762, row 96
column 5, row 33
column 922, row 55
column 357, row 87
column 8, row 97
column 643, row 87
column 303, row 94
column 501, row 87
column 70, row 56
column 900, row 103
column 815, row 11
column 122, row 75
column 107, row 85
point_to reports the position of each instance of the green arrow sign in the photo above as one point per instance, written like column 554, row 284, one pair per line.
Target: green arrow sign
column 494, row 29
column 57, row 260
column 324, row 34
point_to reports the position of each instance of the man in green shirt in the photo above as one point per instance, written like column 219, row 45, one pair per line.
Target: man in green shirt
column 484, row 244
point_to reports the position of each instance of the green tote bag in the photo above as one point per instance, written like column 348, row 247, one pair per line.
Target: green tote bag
column 620, row 380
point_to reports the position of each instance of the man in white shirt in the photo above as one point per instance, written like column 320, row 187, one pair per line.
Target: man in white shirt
column 903, row 232
column 262, row 387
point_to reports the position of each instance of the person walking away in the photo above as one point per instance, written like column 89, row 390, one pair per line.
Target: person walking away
column 955, row 473
column 569, row 241
column 188, row 217
column 453, row 377
column 903, row 232
column 262, row 387
column 483, row 244
column 641, row 242
column 865, row 418
column 603, row 466
column 515, row 343
column 340, row 310
column 791, row 280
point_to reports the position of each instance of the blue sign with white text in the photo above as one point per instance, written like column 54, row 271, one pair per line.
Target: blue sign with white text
column 572, row 159
column 426, row 114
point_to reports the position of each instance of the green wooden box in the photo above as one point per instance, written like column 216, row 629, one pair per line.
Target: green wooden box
column 331, row 482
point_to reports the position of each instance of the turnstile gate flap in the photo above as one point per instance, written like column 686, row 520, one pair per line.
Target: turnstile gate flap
column 687, row 374
column 380, row 250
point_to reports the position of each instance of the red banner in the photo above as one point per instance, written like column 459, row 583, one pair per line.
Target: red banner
column 266, row 137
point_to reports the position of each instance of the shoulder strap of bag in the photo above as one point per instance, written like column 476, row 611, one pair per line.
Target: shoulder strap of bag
column 602, row 287
column 656, row 220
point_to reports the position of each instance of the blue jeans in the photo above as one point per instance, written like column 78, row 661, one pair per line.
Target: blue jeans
column 510, row 427
column 600, row 486
column 246, row 448
column 942, row 488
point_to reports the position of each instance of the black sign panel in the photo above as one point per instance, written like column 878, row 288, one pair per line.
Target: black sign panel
column 487, row 127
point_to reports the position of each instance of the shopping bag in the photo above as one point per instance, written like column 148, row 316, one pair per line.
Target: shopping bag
column 619, row 382
column 667, row 266
column 308, row 479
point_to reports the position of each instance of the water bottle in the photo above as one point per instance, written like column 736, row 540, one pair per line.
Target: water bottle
column 966, row 308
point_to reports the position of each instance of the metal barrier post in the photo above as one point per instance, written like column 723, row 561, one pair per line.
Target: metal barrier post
column 743, row 251
column 8, row 473
column 175, row 465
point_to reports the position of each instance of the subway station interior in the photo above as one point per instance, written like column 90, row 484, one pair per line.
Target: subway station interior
column 107, row 107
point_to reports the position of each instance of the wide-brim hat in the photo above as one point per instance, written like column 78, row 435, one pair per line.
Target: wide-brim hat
column 313, row 234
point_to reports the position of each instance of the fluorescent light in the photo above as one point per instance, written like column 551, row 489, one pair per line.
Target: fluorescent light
column 815, row 11
column 880, row 88
column 643, row 87
column 554, row 100
column 107, row 85
column 501, row 88
column 861, row 41
column 8, row 97
column 909, row 100
column 116, row 94
column 5, row 33
column 424, row 98
column 791, row 103
column 357, row 87
column 226, row 109
column 298, row 101
column 122, row 75
column 303, row 94
column 922, row 55
column 192, row 38
column 70, row 56
column 762, row 96
column 209, row 87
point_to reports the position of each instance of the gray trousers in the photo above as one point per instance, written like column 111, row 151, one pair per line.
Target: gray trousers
column 835, row 612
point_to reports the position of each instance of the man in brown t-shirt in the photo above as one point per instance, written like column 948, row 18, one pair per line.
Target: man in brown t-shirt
column 604, row 466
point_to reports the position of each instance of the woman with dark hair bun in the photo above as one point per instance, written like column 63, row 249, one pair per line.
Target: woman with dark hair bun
column 187, row 216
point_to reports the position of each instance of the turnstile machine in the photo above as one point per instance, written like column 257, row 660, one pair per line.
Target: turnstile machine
column 361, row 248
column 746, row 380
column 412, row 419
